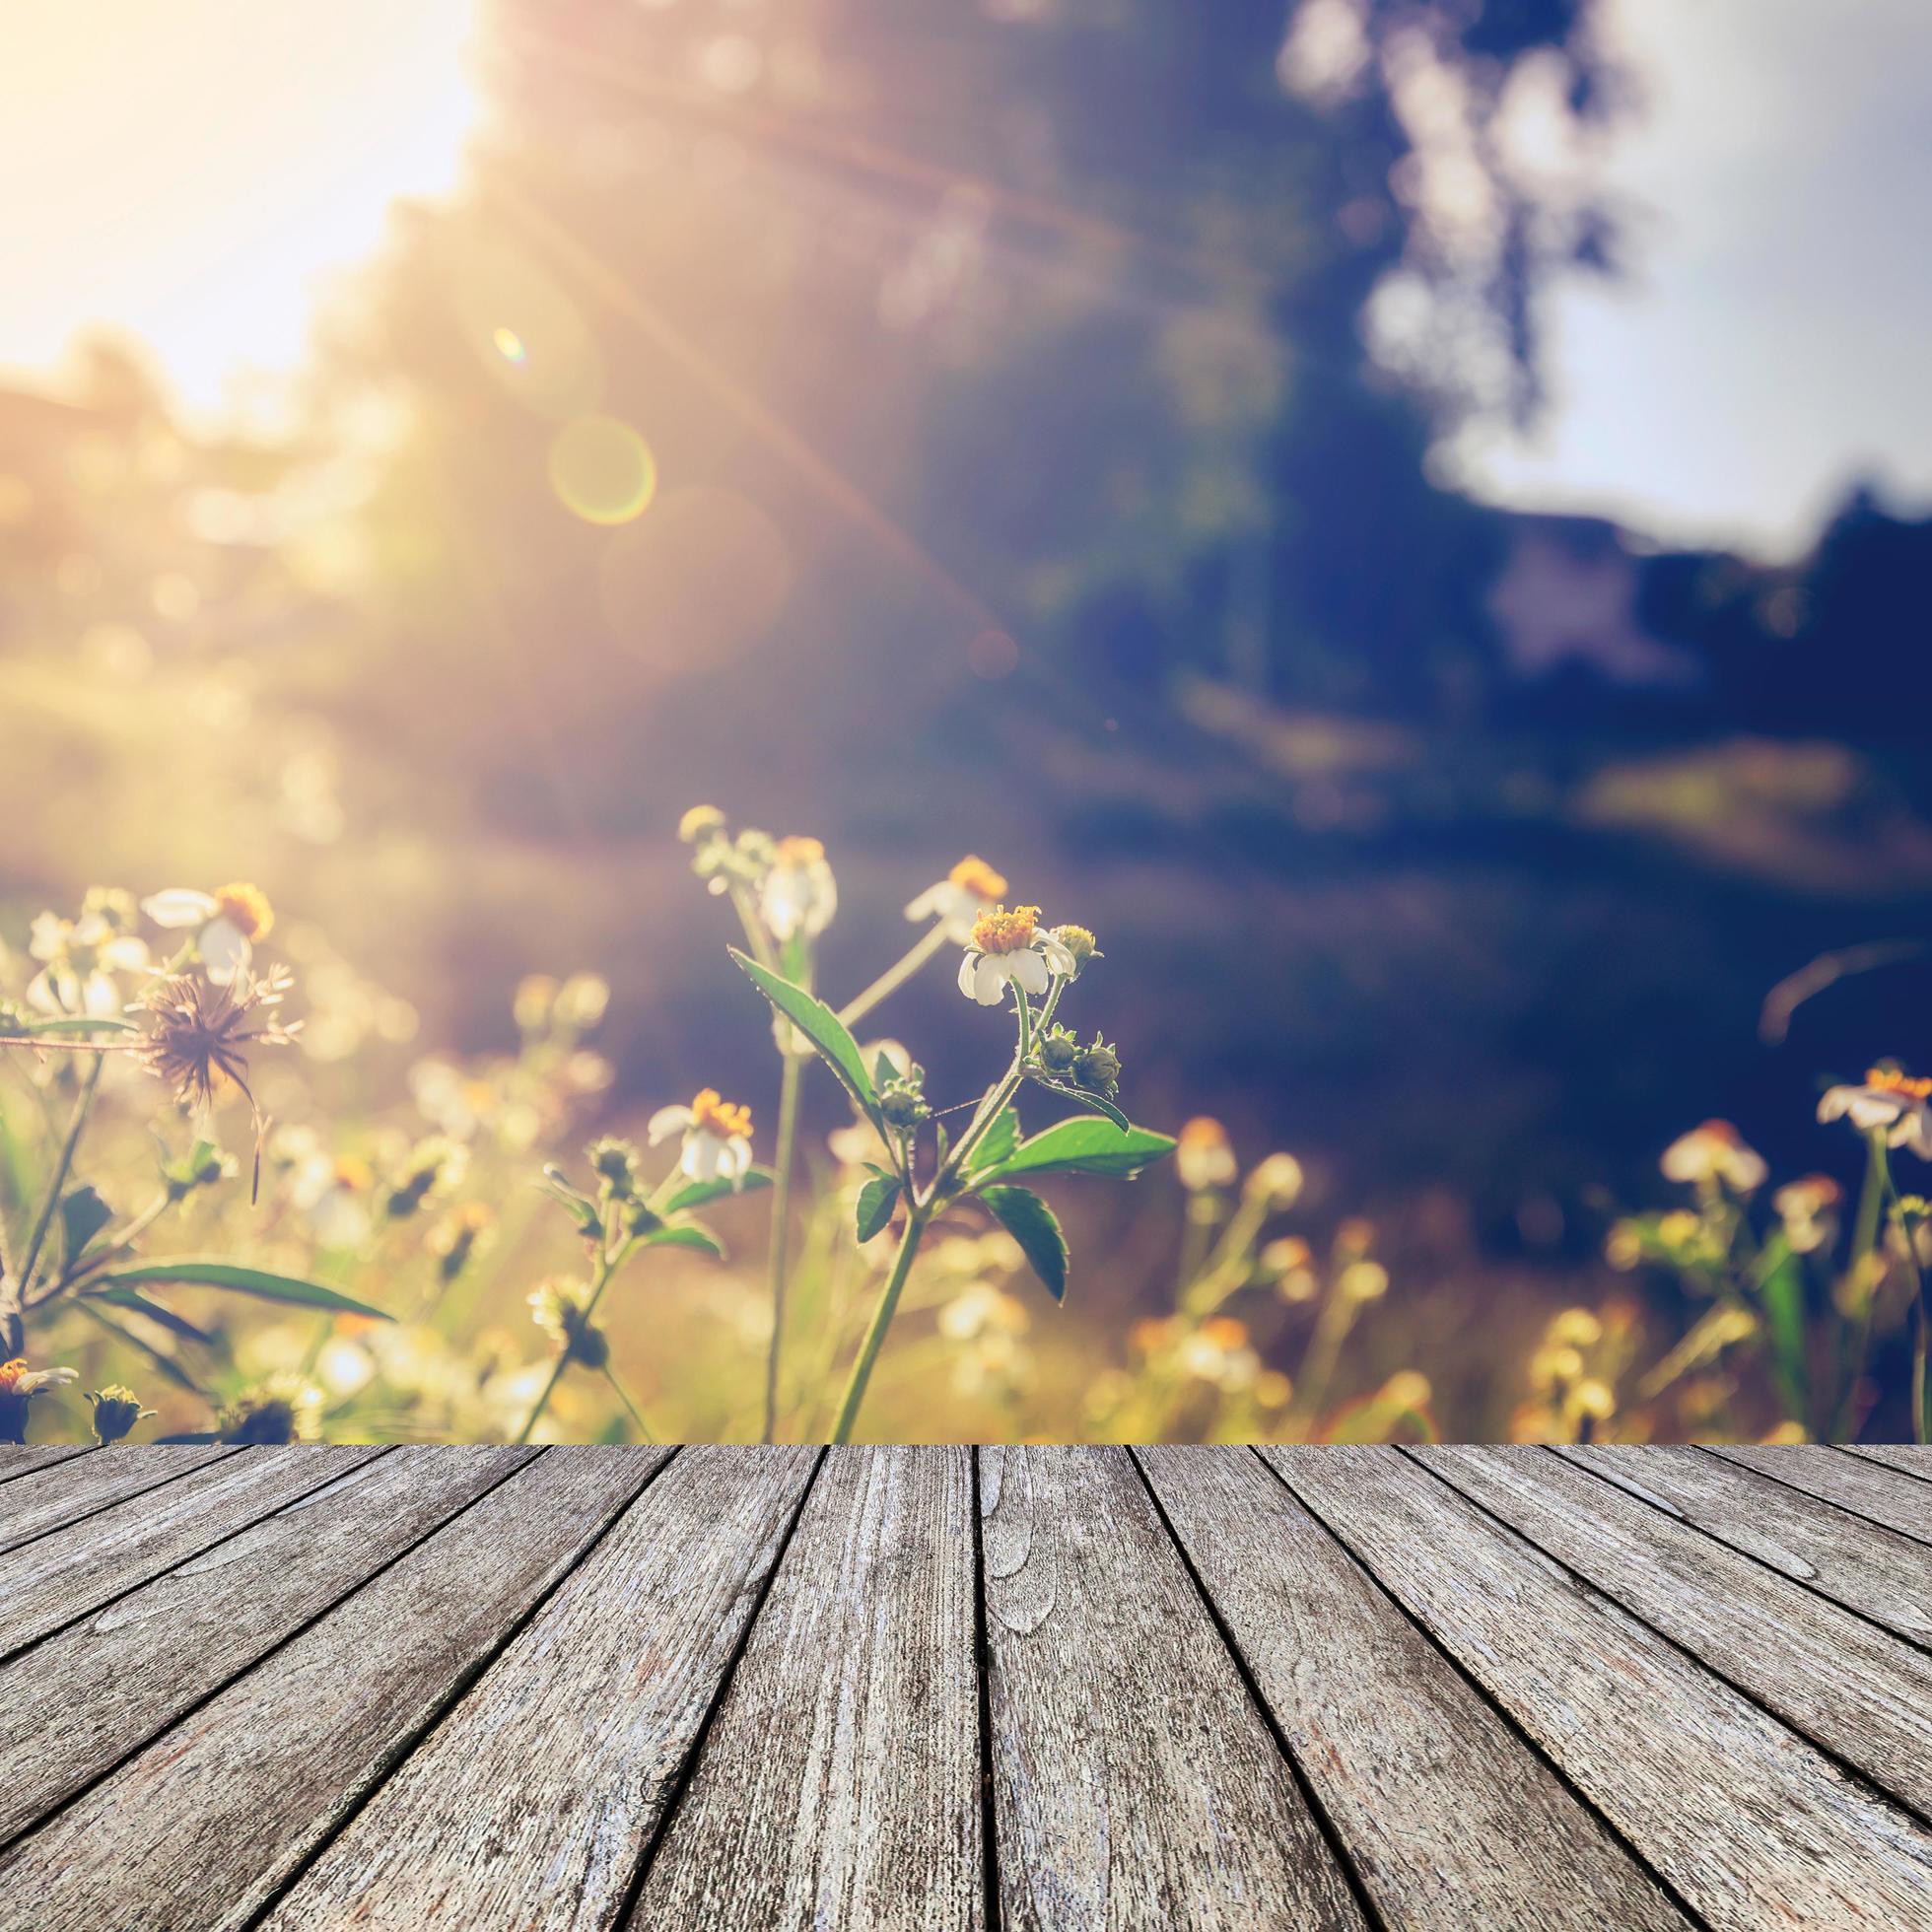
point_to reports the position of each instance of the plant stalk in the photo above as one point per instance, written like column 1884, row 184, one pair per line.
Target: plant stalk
column 789, row 1081
column 893, row 977
column 861, row 1369
column 63, row 1166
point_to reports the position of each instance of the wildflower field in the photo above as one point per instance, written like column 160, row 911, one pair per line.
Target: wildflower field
column 487, row 1253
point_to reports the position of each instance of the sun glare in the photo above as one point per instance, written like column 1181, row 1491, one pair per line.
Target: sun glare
column 192, row 174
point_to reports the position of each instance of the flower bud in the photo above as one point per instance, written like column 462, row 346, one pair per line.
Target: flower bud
column 1097, row 1067
column 1058, row 1050
column 615, row 1163
column 1276, row 1182
column 116, row 1408
column 1080, row 945
column 700, row 823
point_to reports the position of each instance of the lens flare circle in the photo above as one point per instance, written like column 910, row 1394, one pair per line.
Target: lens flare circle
column 602, row 470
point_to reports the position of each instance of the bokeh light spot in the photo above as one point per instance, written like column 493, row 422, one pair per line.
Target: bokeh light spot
column 509, row 345
column 992, row 654
column 601, row 469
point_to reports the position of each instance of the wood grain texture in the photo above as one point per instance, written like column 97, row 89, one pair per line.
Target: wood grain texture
column 1912, row 1458
column 1854, row 1482
column 1451, row 1821
column 16, row 1461
column 1870, row 1569
column 75, row 1570
column 202, row 1827
column 1750, row 1823
column 532, row 1802
column 840, row 1782
column 74, row 1706
column 1854, row 1690
column 67, row 1490
column 1136, row 1785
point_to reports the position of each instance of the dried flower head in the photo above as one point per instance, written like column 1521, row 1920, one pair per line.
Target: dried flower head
column 199, row 1035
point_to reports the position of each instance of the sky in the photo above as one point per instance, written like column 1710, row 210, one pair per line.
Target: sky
column 1770, row 346
column 196, row 172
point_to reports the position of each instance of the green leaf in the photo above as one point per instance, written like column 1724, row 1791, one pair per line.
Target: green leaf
column 82, row 1215
column 700, row 1194
column 243, row 1281
column 1030, row 1221
column 1093, row 1102
column 822, row 1028
column 1084, row 1146
column 998, row 1140
column 883, row 1069
column 160, row 1358
column 877, row 1201
column 687, row 1234
column 137, row 1303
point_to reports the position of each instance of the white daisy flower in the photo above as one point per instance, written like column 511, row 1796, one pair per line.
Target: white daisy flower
column 800, row 893
column 79, row 958
column 1714, row 1152
column 227, row 922
column 959, row 899
column 717, row 1136
column 1891, row 1100
column 1012, row 948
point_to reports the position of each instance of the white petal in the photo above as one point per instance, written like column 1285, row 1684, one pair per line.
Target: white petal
column 101, row 997
column 225, row 950
column 1055, row 954
column 126, row 954
column 1917, row 1134
column 968, row 968
column 1869, row 1109
column 1837, row 1099
column 179, row 906
column 736, row 1157
column 990, row 976
column 668, row 1121
column 703, row 1156
column 1030, row 970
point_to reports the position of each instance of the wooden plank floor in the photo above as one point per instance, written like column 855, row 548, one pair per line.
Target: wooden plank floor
column 946, row 1688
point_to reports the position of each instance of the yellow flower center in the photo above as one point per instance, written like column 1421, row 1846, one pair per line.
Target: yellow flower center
column 711, row 1115
column 798, row 851
column 700, row 822
column 11, row 1373
column 1001, row 931
column 246, row 908
column 1202, row 1134
column 979, row 878
column 1888, row 1079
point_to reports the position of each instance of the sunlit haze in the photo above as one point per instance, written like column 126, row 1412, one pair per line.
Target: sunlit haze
column 191, row 174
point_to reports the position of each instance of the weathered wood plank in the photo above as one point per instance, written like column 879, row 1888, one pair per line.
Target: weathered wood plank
column 1867, row 1488
column 16, row 1461
column 202, row 1826
column 1136, row 1782
column 1747, row 1822
column 74, row 1706
column 63, row 1576
column 1912, row 1458
column 840, row 1782
column 67, row 1490
column 1854, row 1690
column 1867, row 1569
column 1451, row 1819
column 532, row 1802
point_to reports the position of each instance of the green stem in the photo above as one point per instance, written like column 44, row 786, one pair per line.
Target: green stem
column 893, row 977
column 861, row 1369
column 63, row 1165
column 1865, row 1228
column 1922, row 1328
column 788, row 1135
column 990, row 1107
column 644, row 1427
column 606, row 1268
